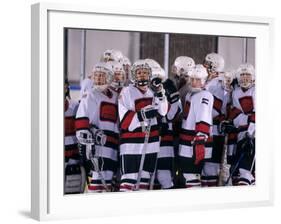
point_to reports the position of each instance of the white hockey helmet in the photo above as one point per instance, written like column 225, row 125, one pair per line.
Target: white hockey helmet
column 101, row 76
column 156, row 69
column 112, row 55
column 227, row 78
column 126, row 61
column 118, row 71
column 245, row 75
column 198, row 72
column 152, row 63
column 214, row 62
column 182, row 66
column 158, row 73
column 141, row 65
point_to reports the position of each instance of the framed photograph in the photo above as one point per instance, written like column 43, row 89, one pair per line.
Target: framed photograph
column 69, row 42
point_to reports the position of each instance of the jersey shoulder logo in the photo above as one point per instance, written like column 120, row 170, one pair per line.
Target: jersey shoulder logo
column 205, row 101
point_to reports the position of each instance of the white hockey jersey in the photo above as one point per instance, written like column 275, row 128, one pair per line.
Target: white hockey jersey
column 243, row 112
column 100, row 110
column 70, row 140
column 132, row 100
column 197, row 117
column 222, row 101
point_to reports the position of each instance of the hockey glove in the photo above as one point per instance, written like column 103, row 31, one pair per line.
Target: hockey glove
column 199, row 148
column 99, row 136
column 147, row 113
column 227, row 127
column 85, row 136
column 156, row 84
column 171, row 91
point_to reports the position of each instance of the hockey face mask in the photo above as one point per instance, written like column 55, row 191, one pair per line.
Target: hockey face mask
column 142, row 77
column 245, row 80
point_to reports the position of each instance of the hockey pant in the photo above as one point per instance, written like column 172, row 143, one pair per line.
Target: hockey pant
column 191, row 172
column 130, row 168
column 107, row 167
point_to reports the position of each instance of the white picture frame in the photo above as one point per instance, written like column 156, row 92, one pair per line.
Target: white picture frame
column 48, row 200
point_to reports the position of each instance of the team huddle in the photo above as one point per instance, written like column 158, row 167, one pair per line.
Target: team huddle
column 136, row 129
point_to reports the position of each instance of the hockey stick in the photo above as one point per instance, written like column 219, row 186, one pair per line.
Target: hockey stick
column 234, row 168
column 146, row 138
column 95, row 162
column 222, row 173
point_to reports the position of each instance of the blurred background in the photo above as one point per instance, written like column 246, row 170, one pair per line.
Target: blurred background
column 83, row 49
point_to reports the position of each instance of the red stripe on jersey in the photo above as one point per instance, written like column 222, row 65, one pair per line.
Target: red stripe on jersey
column 82, row 123
column 217, row 104
column 186, row 137
column 69, row 126
column 202, row 127
column 108, row 112
column 234, row 113
column 252, row 118
column 190, row 138
column 247, row 104
column 71, row 153
column 112, row 140
column 143, row 102
column 126, row 121
column 186, row 109
column 167, row 138
column 154, row 133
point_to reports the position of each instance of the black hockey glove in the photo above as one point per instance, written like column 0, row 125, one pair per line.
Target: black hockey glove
column 171, row 91
column 227, row 127
column 147, row 113
column 156, row 84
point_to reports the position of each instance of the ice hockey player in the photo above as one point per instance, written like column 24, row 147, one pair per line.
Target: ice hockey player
column 112, row 55
column 74, row 178
column 138, row 109
column 166, row 156
column 119, row 76
column 180, row 74
column 243, row 117
column 221, row 90
column 97, row 129
column 195, row 138
column 214, row 63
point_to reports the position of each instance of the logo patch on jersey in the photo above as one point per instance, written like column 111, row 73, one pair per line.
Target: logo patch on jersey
column 247, row 104
column 205, row 101
column 186, row 109
column 217, row 104
column 108, row 112
column 143, row 102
